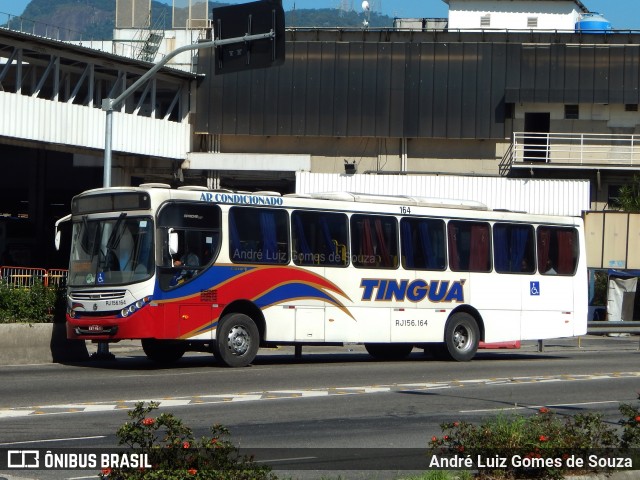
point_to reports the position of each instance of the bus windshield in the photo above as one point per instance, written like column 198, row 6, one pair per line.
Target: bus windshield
column 111, row 251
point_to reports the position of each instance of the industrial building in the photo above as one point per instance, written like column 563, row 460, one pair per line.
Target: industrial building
column 525, row 89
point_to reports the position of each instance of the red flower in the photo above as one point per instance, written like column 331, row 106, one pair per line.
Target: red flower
column 186, row 445
column 148, row 421
column 455, row 424
column 446, row 437
column 461, row 448
column 543, row 438
column 638, row 418
column 192, row 471
column 543, row 410
column 106, row 472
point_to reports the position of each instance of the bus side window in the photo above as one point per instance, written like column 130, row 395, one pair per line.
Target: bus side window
column 558, row 250
column 422, row 241
column 258, row 235
column 469, row 246
column 513, row 248
column 374, row 241
column 319, row 238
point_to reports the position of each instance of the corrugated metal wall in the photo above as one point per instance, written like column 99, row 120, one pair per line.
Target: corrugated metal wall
column 356, row 89
column 551, row 197
column 573, row 74
column 420, row 85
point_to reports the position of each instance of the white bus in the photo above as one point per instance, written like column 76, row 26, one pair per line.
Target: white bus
column 228, row 272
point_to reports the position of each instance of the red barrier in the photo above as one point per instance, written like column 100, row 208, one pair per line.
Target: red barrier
column 512, row 344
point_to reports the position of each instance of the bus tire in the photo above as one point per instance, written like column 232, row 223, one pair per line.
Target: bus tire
column 237, row 340
column 163, row 351
column 461, row 337
column 388, row 351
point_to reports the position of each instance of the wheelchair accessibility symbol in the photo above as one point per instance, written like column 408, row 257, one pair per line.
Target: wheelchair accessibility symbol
column 534, row 288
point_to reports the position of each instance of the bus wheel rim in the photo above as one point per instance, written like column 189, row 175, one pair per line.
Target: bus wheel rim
column 239, row 340
column 461, row 338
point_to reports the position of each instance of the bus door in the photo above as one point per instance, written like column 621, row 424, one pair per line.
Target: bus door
column 548, row 309
column 514, row 266
column 189, row 244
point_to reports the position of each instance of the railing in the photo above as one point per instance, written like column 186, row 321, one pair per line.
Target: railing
column 16, row 277
column 574, row 150
column 54, row 32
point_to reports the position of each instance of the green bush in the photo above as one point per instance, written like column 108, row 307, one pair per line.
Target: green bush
column 542, row 443
column 35, row 304
column 175, row 454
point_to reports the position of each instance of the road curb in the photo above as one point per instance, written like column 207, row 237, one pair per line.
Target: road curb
column 29, row 343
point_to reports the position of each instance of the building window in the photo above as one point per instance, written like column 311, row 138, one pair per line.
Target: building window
column 613, row 196
column 532, row 22
column 571, row 112
column 631, row 107
column 485, row 20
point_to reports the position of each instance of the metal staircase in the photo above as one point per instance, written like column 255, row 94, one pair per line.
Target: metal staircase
column 153, row 40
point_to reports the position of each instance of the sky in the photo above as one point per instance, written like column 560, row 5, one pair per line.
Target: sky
column 621, row 13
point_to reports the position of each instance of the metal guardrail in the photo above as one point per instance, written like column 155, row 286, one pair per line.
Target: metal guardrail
column 574, row 149
column 595, row 328
column 604, row 327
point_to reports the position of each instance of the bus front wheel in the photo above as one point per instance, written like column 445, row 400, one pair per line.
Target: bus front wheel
column 237, row 340
column 461, row 337
column 163, row 351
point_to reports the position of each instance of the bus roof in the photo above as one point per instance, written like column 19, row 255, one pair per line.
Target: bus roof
column 398, row 200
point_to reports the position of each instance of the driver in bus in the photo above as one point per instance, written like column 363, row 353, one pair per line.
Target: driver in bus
column 188, row 259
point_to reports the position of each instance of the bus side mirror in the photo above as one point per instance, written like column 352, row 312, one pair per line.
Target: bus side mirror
column 57, row 239
column 173, row 242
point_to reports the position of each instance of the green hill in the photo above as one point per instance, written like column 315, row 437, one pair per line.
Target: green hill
column 95, row 19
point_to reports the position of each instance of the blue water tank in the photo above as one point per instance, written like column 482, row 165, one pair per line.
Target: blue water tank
column 593, row 23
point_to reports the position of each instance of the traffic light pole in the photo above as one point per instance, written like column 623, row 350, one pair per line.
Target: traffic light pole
column 110, row 104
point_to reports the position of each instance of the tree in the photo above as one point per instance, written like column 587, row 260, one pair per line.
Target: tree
column 629, row 196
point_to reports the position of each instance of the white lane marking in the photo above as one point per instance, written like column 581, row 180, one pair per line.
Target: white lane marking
column 70, row 439
column 295, row 394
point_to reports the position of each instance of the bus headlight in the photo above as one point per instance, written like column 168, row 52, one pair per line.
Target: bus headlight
column 124, row 312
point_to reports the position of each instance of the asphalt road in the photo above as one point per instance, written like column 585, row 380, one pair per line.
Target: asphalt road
column 331, row 398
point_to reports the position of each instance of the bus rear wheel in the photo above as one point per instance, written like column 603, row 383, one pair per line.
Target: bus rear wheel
column 388, row 351
column 163, row 351
column 461, row 337
column 237, row 340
